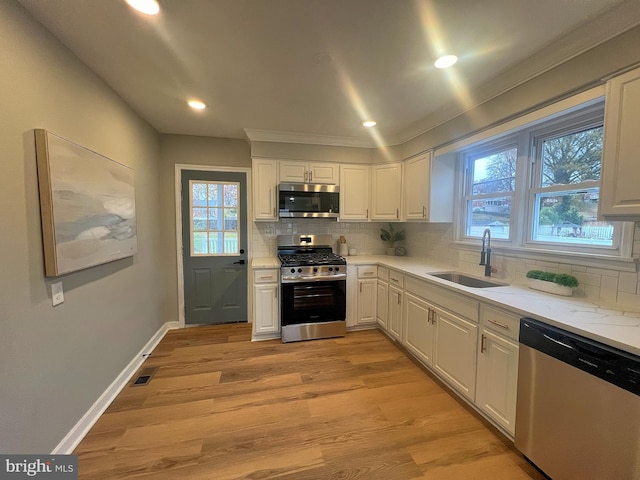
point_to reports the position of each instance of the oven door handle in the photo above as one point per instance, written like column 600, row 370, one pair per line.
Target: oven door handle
column 332, row 278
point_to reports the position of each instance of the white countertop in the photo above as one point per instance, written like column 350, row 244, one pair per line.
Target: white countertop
column 611, row 326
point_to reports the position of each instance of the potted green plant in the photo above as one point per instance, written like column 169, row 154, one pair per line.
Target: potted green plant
column 390, row 237
column 556, row 283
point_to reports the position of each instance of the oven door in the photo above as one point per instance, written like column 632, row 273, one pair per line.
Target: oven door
column 313, row 302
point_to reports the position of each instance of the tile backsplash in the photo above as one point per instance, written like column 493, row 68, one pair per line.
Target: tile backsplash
column 432, row 241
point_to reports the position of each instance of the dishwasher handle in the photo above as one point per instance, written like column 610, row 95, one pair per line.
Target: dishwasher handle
column 608, row 363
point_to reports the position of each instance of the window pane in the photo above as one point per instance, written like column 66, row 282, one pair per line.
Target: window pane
column 200, row 219
column 231, row 195
column 200, row 243
column 573, row 158
column 230, row 242
column 493, row 213
column 199, row 194
column 214, row 195
column 215, row 219
column 571, row 217
column 231, row 219
column 215, row 242
column 495, row 173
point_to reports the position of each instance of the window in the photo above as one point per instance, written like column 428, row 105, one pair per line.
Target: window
column 491, row 186
column 539, row 188
column 567, row 185
column 214, row 218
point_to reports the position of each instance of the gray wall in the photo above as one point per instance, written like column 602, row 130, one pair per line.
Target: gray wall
column 56, row 362
column 187, row 150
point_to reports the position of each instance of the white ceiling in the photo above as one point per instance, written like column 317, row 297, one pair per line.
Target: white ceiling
column 321, row 66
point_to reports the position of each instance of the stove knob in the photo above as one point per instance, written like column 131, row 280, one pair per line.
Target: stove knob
column 337, row 269
column 331, row 269
column 315, row 270
column 293, row 270
column 299, row 270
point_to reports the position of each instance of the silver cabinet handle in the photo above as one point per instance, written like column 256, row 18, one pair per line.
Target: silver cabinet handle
column 397, row 213
column 399, row 295
column 274, row 211
column 311, row 175
column 264, row 277
column 360, row 287
column 275, row 292
column 424, row 212
column 483, row 347
column 367, row 213
column 506, row 327
column 368, row 273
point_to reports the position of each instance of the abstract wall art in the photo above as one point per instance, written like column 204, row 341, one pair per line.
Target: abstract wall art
column 87, row 205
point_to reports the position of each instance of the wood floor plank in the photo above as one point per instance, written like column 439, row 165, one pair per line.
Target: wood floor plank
column 222, row 407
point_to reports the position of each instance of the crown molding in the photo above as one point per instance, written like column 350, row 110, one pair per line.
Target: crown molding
column 606, row 26
column 307, row 138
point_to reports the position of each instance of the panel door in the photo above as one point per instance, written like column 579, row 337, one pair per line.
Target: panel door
column 417, row 187
column 418, row 329
column 214, row 238
column 354, row 192
column 265, row 303
column 295, row 172
column 497, row 382
column 382, row 302
column 324, row 173
column 454, row 355
column 395, row 312
column 386, row 181
column 265, row 189
column 366, row 301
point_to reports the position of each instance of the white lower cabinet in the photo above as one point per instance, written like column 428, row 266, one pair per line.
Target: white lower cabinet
column 266, row 302
column 454, row 356
column 498, row 378
column 382, row 302
column 418, row 335
column 366, row 301
column 395, row 312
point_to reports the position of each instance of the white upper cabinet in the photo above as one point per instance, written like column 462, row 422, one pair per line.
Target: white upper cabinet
column 305, row 172
column 264, row 175
column 354, row 192
column 428, row 186
column 386, row 192
column 619, row 192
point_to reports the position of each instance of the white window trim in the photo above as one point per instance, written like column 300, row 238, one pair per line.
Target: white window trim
column 520, row 245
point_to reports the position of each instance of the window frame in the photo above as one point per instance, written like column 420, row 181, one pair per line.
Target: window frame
column 192, row 207
column 528, row 139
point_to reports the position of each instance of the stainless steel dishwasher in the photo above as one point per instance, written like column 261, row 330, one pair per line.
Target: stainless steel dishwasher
column 578, row 407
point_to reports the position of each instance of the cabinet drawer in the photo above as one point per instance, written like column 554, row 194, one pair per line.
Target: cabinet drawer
column 367, row 271
column 501, row 321
column 396, row 279
column 383, row 273
column 270, row 275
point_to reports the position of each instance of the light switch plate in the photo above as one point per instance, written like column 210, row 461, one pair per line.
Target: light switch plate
column 57, row 296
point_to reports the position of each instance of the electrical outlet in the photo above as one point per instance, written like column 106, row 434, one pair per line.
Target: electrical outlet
column 57, row 296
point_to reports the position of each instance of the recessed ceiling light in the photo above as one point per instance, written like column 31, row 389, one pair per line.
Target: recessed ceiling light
column 369, row 123
column 148, row 7
column 446, row 61
column 197, row 104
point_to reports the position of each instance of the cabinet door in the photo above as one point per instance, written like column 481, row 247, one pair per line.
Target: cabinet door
column 498, row 379
column 354, row 192
column 324, row 173
column 395, row 312
column 366, row 301
column 619, row 192
column 293, row 172
column 416, row 187
column 265, row 308
column 386, row 189
column 418, row 329
column 454, row 356
column 382, row 301
column 264, row 187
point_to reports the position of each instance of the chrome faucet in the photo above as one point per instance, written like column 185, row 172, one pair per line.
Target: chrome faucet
column 486, row 260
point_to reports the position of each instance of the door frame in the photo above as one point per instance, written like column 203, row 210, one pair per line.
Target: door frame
column 179, row 245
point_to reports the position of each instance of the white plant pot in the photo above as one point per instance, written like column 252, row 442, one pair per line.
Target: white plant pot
column 549, row 287
column 391, row 250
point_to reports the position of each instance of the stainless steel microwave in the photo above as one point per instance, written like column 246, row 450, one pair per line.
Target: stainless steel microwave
column 308, row 200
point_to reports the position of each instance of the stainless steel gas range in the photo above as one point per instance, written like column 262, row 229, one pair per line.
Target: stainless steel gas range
column 313, row 288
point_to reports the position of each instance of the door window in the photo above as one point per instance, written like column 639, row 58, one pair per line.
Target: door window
column 214, row 225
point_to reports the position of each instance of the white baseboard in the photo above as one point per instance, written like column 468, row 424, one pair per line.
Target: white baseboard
column 80, row 429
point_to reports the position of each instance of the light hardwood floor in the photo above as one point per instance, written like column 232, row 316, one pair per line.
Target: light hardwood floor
column 222, row 407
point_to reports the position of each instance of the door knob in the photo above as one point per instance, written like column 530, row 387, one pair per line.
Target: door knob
column 239, row 262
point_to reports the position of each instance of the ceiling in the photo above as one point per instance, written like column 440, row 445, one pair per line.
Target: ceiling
column 322, row 66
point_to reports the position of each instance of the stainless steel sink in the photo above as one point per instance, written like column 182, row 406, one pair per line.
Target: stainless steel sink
column 466, row 280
